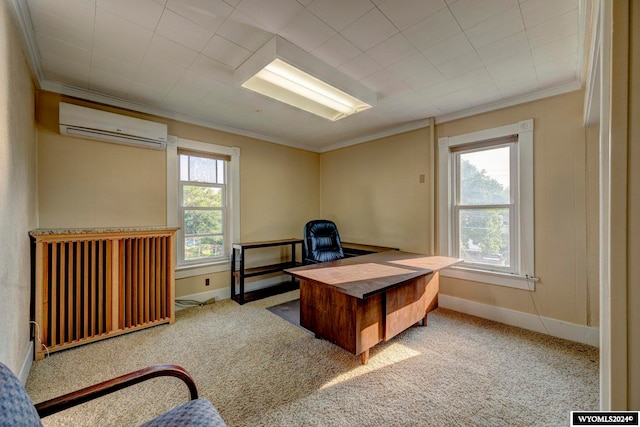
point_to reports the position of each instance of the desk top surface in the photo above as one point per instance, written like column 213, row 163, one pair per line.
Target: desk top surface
column 366, row 275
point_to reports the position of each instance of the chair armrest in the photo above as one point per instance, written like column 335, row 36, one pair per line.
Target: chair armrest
column 86, row 394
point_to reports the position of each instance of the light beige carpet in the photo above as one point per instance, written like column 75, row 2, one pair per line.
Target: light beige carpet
column 260, row 370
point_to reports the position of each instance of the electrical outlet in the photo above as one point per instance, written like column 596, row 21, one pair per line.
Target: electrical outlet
column 206, row 282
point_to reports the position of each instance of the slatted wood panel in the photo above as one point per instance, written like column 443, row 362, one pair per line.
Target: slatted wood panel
column 77, row 303
column 92, row 286
column 143, row 298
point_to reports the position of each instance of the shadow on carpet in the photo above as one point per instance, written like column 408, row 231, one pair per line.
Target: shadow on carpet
column 289, row 311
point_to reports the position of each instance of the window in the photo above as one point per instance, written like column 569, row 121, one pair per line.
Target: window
column 202, row 208
column 486, row 204
column 203, row 201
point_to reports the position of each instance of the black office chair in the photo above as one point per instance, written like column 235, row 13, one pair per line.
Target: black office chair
column 321, row 242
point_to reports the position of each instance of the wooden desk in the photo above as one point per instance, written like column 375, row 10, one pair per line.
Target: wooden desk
column 358, row 302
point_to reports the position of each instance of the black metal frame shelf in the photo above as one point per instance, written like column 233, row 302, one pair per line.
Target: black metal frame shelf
column 239, row 272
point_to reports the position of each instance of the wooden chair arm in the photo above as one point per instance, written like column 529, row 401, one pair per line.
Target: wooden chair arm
column 86, row 394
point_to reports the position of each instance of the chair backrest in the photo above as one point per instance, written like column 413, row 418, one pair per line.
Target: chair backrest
column 16, row 408
column 321, row 242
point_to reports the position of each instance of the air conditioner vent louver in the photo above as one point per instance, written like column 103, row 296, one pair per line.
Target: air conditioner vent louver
column 88, row 123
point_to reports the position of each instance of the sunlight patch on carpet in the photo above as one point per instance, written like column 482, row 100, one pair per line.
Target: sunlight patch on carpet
column 390, row 355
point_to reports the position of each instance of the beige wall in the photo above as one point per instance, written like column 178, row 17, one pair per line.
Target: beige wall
column 372, row 191
column 17, row 196
column 85, row 183
column 374, row 194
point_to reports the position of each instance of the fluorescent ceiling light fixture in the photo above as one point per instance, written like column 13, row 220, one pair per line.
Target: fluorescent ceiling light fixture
column 283, row 71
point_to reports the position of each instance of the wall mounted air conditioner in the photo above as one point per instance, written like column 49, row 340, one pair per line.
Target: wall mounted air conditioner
column 85, row 122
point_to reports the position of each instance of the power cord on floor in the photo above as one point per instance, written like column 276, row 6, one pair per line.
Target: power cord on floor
column 38, row 337
column 194, row 303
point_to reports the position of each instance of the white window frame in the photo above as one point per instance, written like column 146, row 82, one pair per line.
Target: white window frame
column 523, row 276
column 232, row 194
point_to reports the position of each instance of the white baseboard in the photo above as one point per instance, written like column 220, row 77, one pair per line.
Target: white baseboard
column 26, row 364
column 579, row 333
column 225, row 293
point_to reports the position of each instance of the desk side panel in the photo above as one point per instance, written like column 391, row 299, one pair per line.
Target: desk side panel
column 409, row 304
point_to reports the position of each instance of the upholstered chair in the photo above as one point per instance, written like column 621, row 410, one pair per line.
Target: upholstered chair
column 16, row 408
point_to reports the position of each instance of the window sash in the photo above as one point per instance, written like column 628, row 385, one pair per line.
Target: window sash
column 182, row 257
column 512, row 207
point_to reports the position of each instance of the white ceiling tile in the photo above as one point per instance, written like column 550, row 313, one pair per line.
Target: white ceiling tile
column 414, row 65
column 77, row 80
column 536, row 12
column 360, row 67
column 524, row 77
column 436, row 91
column 504, row 48
column 209, row 14
column 369, row 30
column 307, row 31
column 69, row 72
column 272, row 15
column 427, row 77
column 183, row 31
column 184, row 97
column 405, row 13
column 448, row 49
column 150, row 95
column 472, row 78
column 433, row 30
column 224, row 51
column 522, row 87
column 53, row 26
column 451, row 102
column 394, row 89
column 558, row 72
column 213, row 69
column 113, row 66
column 338, row 14
column 336, row 51
column 157, row 73
column 460, row 65
column 170, row 51
column 54, row 47
column 392, row 50
column 559, row 49
column 379, row 80
column 472, row 12
column 120, row 39
column 553, row 29
column 503, row 69
column 74, row 10
column 242, row 34
column 107, row 83
column 198, row 80
column 482, row 94
column 145, row 13
column 496, row 28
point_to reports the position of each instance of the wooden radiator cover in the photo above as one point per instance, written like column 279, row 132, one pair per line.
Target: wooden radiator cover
column 91, row 285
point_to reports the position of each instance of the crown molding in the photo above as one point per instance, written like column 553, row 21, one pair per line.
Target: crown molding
column 20, row 14
column 89, row 95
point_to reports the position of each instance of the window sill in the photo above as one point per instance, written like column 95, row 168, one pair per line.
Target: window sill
column 184, row 271
column 491, row 277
